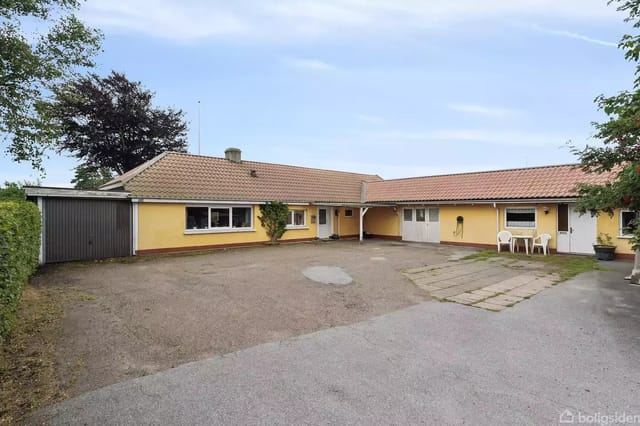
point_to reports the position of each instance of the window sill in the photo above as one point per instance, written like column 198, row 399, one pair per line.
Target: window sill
column 294, row 228
column 625, row 237
column 217, row 231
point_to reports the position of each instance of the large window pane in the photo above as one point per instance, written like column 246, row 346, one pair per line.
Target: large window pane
column 220, row 218
column 408, row 215
column 521, row 218
column 322, row 217
column 563, row 217
column 197, row 217
column 420, row 216
column 242, row 217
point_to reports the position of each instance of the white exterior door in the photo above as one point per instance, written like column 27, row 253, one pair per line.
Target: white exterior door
column 576, row 233
column 421, row 224
column 324, row 222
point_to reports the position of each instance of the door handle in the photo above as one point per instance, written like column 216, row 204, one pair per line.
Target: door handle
column 571, row 230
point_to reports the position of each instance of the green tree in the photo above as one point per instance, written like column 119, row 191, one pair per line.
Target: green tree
column 32, row 63
column 620, row 137
column 14, row 191
column 90, row 177
column 273, row 217
column 110, row 123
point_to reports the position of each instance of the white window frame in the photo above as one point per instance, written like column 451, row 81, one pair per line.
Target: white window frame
column 290, row 215
column 348, row 215
column 535, row 215
column 621, row 233
column 220, row 230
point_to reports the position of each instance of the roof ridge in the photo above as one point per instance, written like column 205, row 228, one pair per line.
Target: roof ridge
column 481, row 172
column 135, row 171
column 277, row 164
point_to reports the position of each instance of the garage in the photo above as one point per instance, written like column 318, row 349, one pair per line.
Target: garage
column 421, row 224
column 83, row 225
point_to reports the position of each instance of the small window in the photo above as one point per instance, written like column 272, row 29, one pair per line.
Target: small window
column 408, row 215
column 420, row 215
column 434, row 215
column 520, row 217
column 296, row 218
column 628, row 223
column 220, row 218
column 348, row 213
column 197, row 217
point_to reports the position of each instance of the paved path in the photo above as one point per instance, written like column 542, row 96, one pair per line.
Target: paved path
column 574, row 346
column 494, row 284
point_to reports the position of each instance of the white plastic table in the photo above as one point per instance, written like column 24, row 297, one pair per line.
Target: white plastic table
column 525, row 238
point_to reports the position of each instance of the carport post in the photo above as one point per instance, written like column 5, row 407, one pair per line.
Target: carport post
column 363, row 211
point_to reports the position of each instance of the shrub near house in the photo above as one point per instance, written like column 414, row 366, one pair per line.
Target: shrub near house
column 19, row 249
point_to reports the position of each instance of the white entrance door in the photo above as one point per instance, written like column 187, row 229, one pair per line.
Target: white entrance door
column 576, row 233
column 421, row 224
column 324, row 222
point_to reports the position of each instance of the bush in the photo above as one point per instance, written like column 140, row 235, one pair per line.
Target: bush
column 19, row 250
column 274, row 219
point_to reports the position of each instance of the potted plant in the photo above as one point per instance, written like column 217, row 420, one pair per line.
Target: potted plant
column 605, row 250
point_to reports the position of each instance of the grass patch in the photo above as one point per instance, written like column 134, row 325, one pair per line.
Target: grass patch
column 565, row 266
column 29, row 376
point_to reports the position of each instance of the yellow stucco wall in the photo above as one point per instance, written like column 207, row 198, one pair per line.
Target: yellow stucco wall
column 480, row 227
column 382, row 221
column 162, row 226
column 346, row 226
column 611, row 225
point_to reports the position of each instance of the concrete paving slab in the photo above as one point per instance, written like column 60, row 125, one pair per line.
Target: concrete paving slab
column 327, row 275
column 504, row 299
column 490, row 306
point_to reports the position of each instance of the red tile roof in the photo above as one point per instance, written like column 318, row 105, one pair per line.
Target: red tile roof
column 193, row 177
column 512, row 184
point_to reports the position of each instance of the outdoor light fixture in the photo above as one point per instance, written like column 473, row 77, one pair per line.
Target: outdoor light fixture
column 545, row 209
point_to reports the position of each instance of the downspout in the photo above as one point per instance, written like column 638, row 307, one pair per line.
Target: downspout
column 495, row 206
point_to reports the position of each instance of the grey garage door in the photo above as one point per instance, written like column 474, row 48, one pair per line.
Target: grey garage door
column 80, row 229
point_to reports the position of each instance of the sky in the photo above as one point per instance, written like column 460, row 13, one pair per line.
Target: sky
column 396, row 88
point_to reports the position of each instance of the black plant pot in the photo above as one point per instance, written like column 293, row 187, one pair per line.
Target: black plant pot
column 605, row 252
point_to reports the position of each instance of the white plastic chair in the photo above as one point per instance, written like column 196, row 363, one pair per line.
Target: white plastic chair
column 542, row 242
column 505, row 237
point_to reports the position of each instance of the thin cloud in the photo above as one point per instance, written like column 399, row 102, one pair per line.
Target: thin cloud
column 573, row 35
column 314, row 65
column 484, row 110
column 498, row 137
column 292, row 21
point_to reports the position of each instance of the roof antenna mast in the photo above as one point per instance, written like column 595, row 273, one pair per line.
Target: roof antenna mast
column 198, row 127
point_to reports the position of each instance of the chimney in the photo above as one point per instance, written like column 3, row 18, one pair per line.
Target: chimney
column 233, row 154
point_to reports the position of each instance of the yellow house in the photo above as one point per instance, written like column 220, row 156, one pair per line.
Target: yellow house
column 190, row 202
column 471, row 208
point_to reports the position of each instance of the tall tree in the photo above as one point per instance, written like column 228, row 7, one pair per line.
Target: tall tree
column 32, row 62
column 110, row 123
column 620, row 151
column 90, row 177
